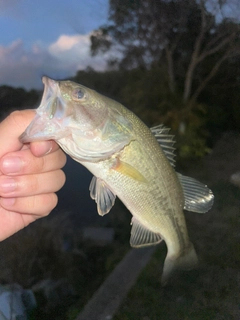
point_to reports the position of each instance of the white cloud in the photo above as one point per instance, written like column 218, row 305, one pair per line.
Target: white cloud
column 66, row 42
column 24, row 67
column 73, row 52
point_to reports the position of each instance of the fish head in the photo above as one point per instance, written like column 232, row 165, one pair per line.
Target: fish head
column 64, row 106
column 80, row 120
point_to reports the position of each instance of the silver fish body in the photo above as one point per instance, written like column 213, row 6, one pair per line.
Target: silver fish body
column 127, row 160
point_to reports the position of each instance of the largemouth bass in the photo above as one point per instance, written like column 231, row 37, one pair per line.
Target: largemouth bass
column 128, row 160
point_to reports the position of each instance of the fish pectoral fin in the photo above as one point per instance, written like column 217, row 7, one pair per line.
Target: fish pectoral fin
column 141, row 236
column 198, row 197
column 128, row 170
column 102, row 195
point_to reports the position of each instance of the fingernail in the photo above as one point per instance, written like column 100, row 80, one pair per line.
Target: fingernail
column 49, row 147
column 7, row 202
column 42, row 148
column 11, row 165
column 7, row 184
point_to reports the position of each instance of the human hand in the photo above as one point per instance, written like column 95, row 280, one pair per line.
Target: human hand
column 29, row 175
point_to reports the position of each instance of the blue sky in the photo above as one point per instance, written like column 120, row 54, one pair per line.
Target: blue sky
column 47, row 38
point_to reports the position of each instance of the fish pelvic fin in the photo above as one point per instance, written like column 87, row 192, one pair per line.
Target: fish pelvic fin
column 187, row 261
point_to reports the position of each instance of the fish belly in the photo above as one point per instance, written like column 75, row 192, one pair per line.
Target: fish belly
column 156, row 202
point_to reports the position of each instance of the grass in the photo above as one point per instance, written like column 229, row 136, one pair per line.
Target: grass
column 37, row 255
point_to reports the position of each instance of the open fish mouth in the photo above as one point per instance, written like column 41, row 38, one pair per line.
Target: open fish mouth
column 47, row 123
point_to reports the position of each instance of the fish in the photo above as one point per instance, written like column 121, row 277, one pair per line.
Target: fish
column 128, row 160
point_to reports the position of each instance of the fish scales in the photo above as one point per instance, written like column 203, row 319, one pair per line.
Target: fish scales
column 127, row 161
column 144, row 156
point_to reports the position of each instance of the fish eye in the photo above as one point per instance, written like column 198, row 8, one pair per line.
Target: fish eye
column 78, row 94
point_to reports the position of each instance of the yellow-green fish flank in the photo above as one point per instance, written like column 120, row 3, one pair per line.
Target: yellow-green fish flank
column 127, row 160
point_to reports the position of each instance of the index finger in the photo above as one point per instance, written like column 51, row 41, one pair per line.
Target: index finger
column 11, row 128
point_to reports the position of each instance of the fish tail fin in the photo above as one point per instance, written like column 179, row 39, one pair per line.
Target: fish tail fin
column 186, row 261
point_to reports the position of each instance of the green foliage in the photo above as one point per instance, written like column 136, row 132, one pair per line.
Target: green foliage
column 191, row 134
column 223, row 98
column 175, row 51
column 16, row 98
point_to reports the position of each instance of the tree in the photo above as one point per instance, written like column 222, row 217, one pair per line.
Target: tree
column 192, row 38
column 16, row 98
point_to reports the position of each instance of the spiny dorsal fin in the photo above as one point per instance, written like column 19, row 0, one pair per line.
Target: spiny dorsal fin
column 102, row 195
column 141, row 236
column 166, row 141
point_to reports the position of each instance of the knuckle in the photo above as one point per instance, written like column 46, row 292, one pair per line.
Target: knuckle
column 41, row 164
column 30, row 204
column 58, row 158
column 16, row 118
column 49, row 202
column 35, row 165
column 34, row 185
column 62, row 179
column 42, row 204
column 63, row 158
column 20, row 119
column 27, row 185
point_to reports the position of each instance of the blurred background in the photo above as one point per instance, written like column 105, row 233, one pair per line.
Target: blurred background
column 175, row 62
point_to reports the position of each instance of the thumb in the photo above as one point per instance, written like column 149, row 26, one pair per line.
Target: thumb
column 11, row 128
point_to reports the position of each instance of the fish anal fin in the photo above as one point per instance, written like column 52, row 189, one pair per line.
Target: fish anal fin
column 128, row 170
column 141, row 236
column 102, row 195
column 198, row 197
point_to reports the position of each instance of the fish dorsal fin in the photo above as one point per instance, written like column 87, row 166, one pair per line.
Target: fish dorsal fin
column 102, row 195
column 141, row 236
column 198, row 197
column 166, row 141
